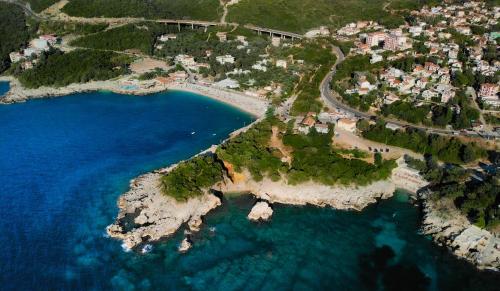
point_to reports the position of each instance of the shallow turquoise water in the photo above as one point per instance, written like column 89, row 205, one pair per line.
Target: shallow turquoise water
column 65, row 161
column 4, row 88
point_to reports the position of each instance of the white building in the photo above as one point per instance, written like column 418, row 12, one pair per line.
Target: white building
column 281, row 64
column 227, row 59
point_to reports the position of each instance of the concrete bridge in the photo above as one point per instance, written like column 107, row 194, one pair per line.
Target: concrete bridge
column 206, row 24
column 274, row 32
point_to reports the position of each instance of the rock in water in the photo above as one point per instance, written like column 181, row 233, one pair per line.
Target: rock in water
column 185, row 245
column 260, row 211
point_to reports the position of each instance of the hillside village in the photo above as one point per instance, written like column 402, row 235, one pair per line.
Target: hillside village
column 439, row 53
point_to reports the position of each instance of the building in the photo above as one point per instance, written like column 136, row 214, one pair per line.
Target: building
column 167, row 37
column 222, row 36
column 488, row 90
column 281, row 64
column 346, row 124
column 321, row 128
column 376, row 58
column 49, row 38
column 375, row 38
column 275, row 41
column 185, row 60
column 15, row 57
column 227, row 59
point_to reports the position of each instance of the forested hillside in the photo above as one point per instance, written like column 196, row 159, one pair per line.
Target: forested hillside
column 176, row 9
column 302, row 15
column 79, row 66
column 40, row 5
column 13, row 32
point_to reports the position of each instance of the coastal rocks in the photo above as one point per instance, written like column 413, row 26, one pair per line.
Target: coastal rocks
column 450, row 228
column 338, row 197
column 185, row 245
column 147, row 215
column 260, row 211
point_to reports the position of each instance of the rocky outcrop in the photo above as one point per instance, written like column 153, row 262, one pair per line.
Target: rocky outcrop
column 260, row 211
column 147, row 215
column 338, row 197
column 450, row 228
column 185, row 245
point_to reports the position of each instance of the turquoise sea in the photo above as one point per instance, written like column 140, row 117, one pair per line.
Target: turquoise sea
column 65, row 161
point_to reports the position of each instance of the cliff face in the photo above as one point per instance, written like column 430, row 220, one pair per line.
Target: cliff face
column 450, row 228
column 338, row 197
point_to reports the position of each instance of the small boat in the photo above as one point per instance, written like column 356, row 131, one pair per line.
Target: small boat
column 193, row 132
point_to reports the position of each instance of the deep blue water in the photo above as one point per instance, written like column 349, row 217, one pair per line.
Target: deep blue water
column 65, row 161
column 4, row 88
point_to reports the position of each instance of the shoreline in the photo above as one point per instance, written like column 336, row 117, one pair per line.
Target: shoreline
column 18, row 94
column 451, row 229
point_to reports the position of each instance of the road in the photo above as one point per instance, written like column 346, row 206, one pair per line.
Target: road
column 333, row 101
column 26, row 7
column 331, row 98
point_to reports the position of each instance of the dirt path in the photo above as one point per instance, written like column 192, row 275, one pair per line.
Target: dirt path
column 224, row 14
column 276, row 142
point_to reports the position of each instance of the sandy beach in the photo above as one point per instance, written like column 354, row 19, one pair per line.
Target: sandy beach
column 17, row 93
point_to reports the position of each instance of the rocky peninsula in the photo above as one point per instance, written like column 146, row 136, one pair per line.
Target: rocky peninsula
column 450, row 228
column 147, row 215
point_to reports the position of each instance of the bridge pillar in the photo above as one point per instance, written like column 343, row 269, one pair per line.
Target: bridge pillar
column 206, row 28
column 179, row 26
column 192, row 25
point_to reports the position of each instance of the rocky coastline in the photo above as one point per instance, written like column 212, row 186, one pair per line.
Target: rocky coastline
column 147, row 215
column 450, row 228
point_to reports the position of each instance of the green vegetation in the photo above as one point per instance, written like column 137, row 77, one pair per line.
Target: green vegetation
column 166, row 9
column 315, row 159
column 408, row 112
column 14, row 32
column 40, row 5
column 476, row 198
column 190, row 178
column 61, row 28
column 319, row 56
column 302, row 15
column 251, row 150
column 140, row 37
column 78, row 66
column 446, row 149
column 492, row 119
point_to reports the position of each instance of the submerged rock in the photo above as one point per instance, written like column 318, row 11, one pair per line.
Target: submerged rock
column 185, row 245
column 260, row 211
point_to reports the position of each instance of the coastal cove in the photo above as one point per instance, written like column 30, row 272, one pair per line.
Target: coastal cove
column 65, row 161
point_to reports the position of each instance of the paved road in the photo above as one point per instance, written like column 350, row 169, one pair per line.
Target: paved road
column 26, row 7
column 333, row 100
